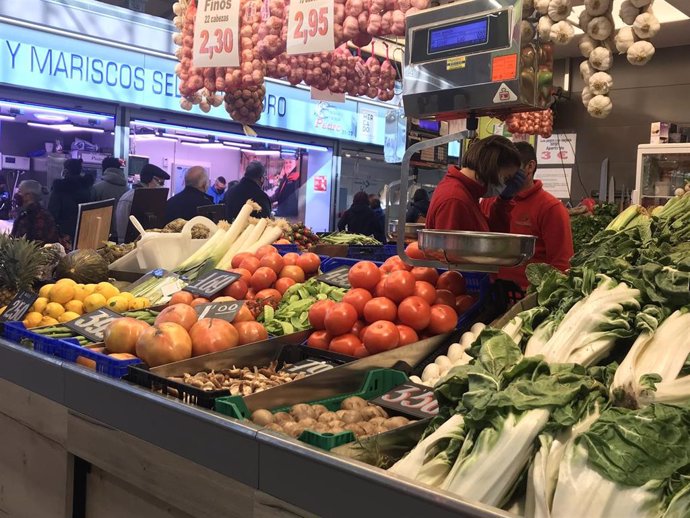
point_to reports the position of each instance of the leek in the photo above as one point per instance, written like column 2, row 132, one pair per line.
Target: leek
column 226, row 261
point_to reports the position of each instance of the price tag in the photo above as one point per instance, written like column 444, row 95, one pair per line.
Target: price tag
column 337, row 277
column 410, row 398
column 19, row 307
column 309, row 367
column 158, row 273
column 558, row 149
column 223, row 310
column 216, row 34
column 310, row 26
column 93, row 325
column 211, row 283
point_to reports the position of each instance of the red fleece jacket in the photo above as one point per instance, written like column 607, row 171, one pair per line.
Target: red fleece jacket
column 455, row 206
column 538, row 213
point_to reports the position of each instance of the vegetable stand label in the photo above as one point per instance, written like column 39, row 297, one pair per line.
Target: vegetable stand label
column 211, row 283
column 310, row 26
column 558, row 149
column 19, row 307
column 337, row 277
column 410, row 398
column 309, row 367
column 216, row 34
column 93, row 325
column 223, row 310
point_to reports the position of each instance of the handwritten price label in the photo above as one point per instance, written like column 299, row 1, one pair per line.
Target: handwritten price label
column 93, row 325
column 19, row 307
column 216, row 34
column 223, row 310
column 410, row 398
column 211, row 283
column 309, row 367
column 558, row 149
column 310, row 26
column 337, row 277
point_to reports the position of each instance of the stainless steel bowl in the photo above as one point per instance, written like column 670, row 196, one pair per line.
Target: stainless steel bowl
column 490, row 249
column 411, row 229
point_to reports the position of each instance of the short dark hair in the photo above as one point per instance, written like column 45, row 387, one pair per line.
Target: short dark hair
column 420, row 195
column 150, row 171
column 375, row 203
column 110, row 162
column 221, row 179
column 360, row 198
column 73, row 166
column 527, row 153
column 485, row 157
column 255, row 170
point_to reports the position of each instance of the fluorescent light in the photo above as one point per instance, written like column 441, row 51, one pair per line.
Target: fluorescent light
column 43, row 109
column 229, row 145
column 261, row 153
column 191, row 138
column 50, row 118
column 65, row 127
column 7, row 118
column 236, row 145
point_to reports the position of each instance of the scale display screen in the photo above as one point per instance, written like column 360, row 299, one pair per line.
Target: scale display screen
column 459, row 35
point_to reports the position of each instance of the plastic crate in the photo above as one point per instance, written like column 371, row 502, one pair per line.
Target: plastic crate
column 16, row 332
column 376, row 383
column 287, row 249
column 371, row 253
column 101, row 362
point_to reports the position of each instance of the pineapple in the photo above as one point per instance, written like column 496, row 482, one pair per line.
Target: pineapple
column 21, row 262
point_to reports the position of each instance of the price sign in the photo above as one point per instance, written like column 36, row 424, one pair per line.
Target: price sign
column 223, row 310
column 310, row 26
column 558, row 149
column 337, row 277
column 216, row 34
column 211, row 283
column 19, row 307
column 366, row 125
column 410, row 398
column 93, row 325
column 309, row 367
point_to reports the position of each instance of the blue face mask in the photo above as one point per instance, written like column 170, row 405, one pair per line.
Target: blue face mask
column 494, row 189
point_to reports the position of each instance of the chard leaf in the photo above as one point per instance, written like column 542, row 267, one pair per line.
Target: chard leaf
column 649, row 381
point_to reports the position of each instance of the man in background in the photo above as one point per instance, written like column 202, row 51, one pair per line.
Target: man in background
column 151, row 176
column 33, row 222
column 249, row 188
column 217, row 190
column 113, row 185
column 185, row 204
column 540, row 214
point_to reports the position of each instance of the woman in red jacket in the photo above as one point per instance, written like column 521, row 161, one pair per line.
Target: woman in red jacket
column 493, row 162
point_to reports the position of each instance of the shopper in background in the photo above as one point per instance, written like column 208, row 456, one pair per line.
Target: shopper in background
column 287, row 192
column 537, row 213
column 490, row 165
column 66, row 195
column 113, row 182
column 217, row 190
column 418, row 207
column 380, row 215
column 359, row 218
column 33, row 222
column 150, row 177
column 249, row 188
column 185, row 203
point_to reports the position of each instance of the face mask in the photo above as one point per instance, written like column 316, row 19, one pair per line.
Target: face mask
column 494, row 189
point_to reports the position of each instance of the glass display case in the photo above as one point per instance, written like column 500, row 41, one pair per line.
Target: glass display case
column 661, row 169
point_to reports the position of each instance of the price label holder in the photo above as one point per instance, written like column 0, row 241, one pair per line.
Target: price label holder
column 216, row 34
column 211, row 283
column 310, row 26
column 93, row 325
column 223, row 310
column 309, row 367
column 410, row 398
column 19, row 307
column 337, row 277
column 158, row 273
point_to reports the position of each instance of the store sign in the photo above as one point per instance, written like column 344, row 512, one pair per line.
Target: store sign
column 366, row 125
column 320, row 183
column 61, row 65
column 558, row 149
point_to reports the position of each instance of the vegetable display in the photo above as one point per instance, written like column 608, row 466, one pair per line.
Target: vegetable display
column 345, row 238
column 586, row 224
column 302, row 236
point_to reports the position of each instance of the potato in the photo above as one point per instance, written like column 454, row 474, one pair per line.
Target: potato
column 307, row 422
column 395, row 422
column 262, row 417
column 368, row 428
column 377, row 420
column 292, row 429
column 282, row 418
column 275, row 427
column 301, row 410
column 355, row 428
column 326, row 417
column 318, row 410
column 353, row 403
column 351, row 416
column 381, row 412
column 368, row 412
column 321, row 428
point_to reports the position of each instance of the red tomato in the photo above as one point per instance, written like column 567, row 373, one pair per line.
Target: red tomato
column 364, row 274
column 340, row 319
column 284, row 283
column 357, row 328
column 361, row 352
column 445, row 297
column 309, row 262
column 237, row 260
column 272, row 261
column 293, row 272
column 291, row 258
column 425, row 290
column 345, row 344
column 381, row 336
column 265, row 250
column 251, row 294
column 362, row 332
column 422, row 273
column 399, row 285
column 317, row 313
column 413, row 251
column 243, row 315
column 443, row 319
column 395, row 263
column 263, row 278
column 463, row 303
column 250, row 263
column 199, row 301
column 407, row 335
column 250, row 332
column 269, row 294
column 319, row 340
column 237, row 290
column 246, row 275
column 358, row 297
column 453, row 282
column 414, row 312
column 380, row 308
column 181, row 297
column 380, row 290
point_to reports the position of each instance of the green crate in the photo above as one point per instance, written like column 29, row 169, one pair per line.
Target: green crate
column 376, row 383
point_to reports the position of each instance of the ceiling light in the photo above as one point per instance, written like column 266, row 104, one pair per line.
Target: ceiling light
column 65, row 127
column 56, row 111
column 261, row 152
column 7, row 118
column 50, row 118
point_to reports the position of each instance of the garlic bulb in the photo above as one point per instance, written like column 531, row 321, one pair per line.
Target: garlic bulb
column 542, row 6
column 584, row 19
column 587, row 45
column 600, row 28
column 544, row 28
column 628, row 12
column 599, row 106
column 562, row 32
column 640, row 52
column 600, row 83
column 185, row 104
column 526, row 31
column 597, row 7
column 177, row 39
column 640, row 3
column 601, row 58
column 646, row 26
column 178, row 21
column 586, row 71
column 177, row 8
column 624, row 39
column 559, row 9
column 586, row 96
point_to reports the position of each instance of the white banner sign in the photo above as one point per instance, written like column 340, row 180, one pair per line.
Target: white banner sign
column 366, row 125
column 556, row 181
column 216, row 34
column 558, row 149
column 310, row 26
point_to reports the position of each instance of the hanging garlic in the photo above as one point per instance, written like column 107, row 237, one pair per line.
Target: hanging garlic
column 544, row 29
column 562, row 32
column 624, row 39
column 640, row 3
column 526, row 31
column 599, row 106
column 178, row 21
column 597, row 7
column 628, row 12
column 586, row 96
column 646, row 26
column 586, row 71
column 559, row 9
column 177, row 8
column 600, row 28
column 601, row 58
column 587, row 45
column 640, row 52
column 177, row 39
column 542, row 6
column 185, row 104
column 583, row 20
column 217, row 100
column 600, row 83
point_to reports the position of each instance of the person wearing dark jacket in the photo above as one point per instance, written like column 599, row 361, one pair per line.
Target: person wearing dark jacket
column 249, row 188
column 113, row 182
column 185, row 204
column 416, row 211
column 34, row 222
column 380, row 216
column 359, row 218
column 66, row 195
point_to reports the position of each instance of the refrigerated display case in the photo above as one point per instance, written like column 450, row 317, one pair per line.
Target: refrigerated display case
column 661, row 169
